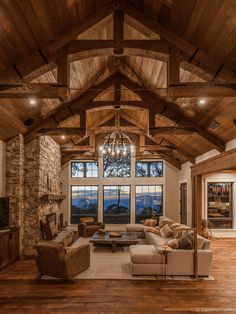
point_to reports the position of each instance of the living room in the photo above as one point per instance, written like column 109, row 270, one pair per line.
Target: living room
column 117, row 160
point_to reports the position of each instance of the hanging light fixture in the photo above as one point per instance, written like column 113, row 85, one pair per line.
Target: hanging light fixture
column 117, row 144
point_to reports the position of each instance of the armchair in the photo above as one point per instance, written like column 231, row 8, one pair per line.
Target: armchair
column 62, row 262
column 88, row 226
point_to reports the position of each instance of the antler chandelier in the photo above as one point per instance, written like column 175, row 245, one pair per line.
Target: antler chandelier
column 117, row 144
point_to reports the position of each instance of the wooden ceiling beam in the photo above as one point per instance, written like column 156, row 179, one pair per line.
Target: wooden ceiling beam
column 190, row 53
column 43, row 59
column 75, row 47
column 173, row 66
column 118, row 31
column 168, row 130
column 72, row 107
column 63, row 73
column 184, row 153
column 169, row 110
column 208, row 89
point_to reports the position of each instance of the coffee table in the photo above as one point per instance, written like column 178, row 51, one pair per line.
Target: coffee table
column 127, row 238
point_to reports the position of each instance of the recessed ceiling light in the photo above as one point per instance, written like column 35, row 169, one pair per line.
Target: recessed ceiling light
column 202, row 101
column 32, row 101
column 214, row 124
column 63, row 137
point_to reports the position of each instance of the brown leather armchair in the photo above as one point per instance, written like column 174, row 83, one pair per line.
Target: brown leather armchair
column 88, row 226
column 62, row 262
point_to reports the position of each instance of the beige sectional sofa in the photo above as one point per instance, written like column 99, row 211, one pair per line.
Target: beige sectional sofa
column 147, row 260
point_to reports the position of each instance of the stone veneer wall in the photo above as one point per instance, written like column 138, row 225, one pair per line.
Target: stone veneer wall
column 15, row 182
column 32, row 171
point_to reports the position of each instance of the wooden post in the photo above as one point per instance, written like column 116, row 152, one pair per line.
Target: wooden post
column 63, row 72
column 196, row 215
column 173, row 66
column 118, row 32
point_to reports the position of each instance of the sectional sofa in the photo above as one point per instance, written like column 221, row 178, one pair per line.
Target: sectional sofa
column 148, row 260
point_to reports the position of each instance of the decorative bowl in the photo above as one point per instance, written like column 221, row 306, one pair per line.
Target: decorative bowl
column 115, row 234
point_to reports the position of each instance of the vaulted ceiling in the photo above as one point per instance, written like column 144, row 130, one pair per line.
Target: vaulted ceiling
column 146, row 64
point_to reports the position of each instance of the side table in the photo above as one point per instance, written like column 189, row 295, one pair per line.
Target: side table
column 164, row 250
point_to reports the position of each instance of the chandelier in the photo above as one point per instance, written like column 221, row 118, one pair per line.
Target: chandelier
column 117, row 144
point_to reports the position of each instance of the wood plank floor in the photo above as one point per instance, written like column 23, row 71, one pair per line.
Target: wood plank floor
column 22, row 292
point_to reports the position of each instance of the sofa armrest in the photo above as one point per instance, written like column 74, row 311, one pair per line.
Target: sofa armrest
column 181, row 262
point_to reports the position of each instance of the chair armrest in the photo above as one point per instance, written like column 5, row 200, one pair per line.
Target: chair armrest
column 77, row 260
column 70, row 251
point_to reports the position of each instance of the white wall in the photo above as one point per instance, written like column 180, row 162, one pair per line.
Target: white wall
column 185, row 177
column 2, row 167
column 170, row 181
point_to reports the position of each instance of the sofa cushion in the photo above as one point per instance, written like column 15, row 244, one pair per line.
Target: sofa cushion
column 165, row 231
column 145, row 254
column 155, row 239
column 134, row 228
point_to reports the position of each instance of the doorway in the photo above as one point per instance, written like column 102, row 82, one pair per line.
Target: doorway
column 183, row 203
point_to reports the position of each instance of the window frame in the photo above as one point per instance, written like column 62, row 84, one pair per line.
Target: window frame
column 148, row 162
column 162, row 198
column 83, row 185
column 84, row 169
column 103, row 207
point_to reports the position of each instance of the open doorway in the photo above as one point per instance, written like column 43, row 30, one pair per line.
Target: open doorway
column 183, row 203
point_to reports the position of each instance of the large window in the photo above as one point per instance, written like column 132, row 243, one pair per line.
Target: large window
column 149, row 169
column 84, row 202
column 84, row 169
column 116, row 208
column 149, row 201
column 114, row 166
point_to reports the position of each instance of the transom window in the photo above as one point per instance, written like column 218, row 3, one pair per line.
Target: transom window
column 149, row 201
column 115, row 167
column 149, row 169
column 84, row 169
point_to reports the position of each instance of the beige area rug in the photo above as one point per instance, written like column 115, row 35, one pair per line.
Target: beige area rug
column 107, row 265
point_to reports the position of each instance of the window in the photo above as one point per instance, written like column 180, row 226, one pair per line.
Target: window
column 149, row 200
column 116, row 166
column 220, row 205
column 116, row 207
column 84, row 169
column 84, row 202
column 149, row 169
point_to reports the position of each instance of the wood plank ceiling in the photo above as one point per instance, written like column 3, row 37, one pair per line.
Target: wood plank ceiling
column 208, row 28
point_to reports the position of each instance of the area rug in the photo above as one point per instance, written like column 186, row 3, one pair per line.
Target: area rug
column 107, row 265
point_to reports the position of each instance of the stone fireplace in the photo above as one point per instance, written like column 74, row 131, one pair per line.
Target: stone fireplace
column 32, row 173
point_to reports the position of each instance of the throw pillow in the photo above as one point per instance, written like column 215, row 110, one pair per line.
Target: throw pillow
column 150, row 222
column 155, row 230
column 175, row 225
column 165, row 221
column 165, row 231
column 186, row 241
column 174, row 243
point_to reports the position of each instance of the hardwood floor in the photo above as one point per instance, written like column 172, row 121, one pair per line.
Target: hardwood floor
column 22, row 292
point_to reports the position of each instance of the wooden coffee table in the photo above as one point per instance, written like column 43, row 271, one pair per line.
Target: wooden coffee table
column 126, row 238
